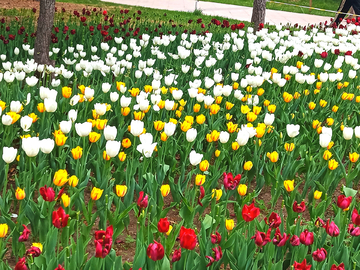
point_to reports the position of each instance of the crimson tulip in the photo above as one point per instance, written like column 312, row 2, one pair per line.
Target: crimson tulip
column 21, row 264
column 143, row 200
column 33, row 252
column 163, row 225
column 218, row 255
column 261, row 239
column 341, row 266
column 59, row 218
column 319, row 222
column 354, row 231
column 319, row 255
column 188, row 238
column 201, row 196
column 295, row 241
column 230, row 182
column 177, row 255
column 343, row 202
column 103, row 242
column 250, row 212
column 155, row 251
column 355, row 217
column 307, row 238
column 324, row 54
column 216, row 238
column 280, row 239
column 301, row 266
column 25, row 234
column 332, row 229
column 299, row 208
column 274, row 220
column 48, row 194
column 59, row 267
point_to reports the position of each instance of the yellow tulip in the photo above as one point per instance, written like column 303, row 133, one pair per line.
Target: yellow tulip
column 289, row 185
column 200, row 179
column 165, row 190
column 77, row 152
column 231, row 127
column 217, row 153
column 229, row 105
column 20, row 194
column 200, row 119
column 248, row 165
column 332, row 164
column 196, row 107
column 312, row 105
column 38, row 245
column 125, row 111
column 121, row 190
column 353, row 157
column 73, row 181
column 235, row 146
column 317, row 195
column 242, row 189
column 271, row 108
column 122, row 156
column 214, row 109
column 60, row 178
column 204, row 165
column 335, row 108
column 106, row 156
column 289, row 147
column 159, row 125
column 217, row 193
column 65, row 200
column 245, row 109
column 229, row 224
column 139, row 115
column 251, row 117
column 323, row 103
column 274, row 156
column 96, row 193
column 3, row 230
column 327, row 155
column 185, row 126
column 66, row 92
column 94, row 136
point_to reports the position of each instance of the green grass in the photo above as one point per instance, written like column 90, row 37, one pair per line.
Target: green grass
column 328, row 5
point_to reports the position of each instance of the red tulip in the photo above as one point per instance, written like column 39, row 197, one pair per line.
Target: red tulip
column 354, row 231
column 216, row 238
column 48, row 194
column 103, row 242
column 295, row 241
column 25, row 234
column 21, row 264
column 188, row 238
column 250, row 212
column 201, row 196
column 274, row 220
column 163, row 225
column 230, row 182
column 307, row 238
column 218, row 255
column 324, row 54
column 348, row 53
column 332, row 229
column 299, row 208
column 341, row 266
column 143, row 200
column 177, row 255
column 280, row 239
column 319, row 255
column 59, row 218
column 33, row 252
column 59, row 267
column 355, row 217
column 261, row 239
column 343, row 202
column 155, row 251
column 301, row 266
column 337, row 51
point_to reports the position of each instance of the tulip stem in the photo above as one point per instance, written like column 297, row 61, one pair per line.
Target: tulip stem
column 5, row 182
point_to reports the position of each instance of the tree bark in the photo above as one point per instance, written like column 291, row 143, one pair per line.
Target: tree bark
column 43, row 32
column 258, row 14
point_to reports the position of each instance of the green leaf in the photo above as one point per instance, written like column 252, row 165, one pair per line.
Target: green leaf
column 166, row 264
column 349, row 192
column 208, row 222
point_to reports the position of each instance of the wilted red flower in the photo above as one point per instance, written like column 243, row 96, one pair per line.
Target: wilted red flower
column 355, row 217
column 295, row 241
column 21, row 264
column 176, row 256
column 201, row 196
column 319, row 255
column 155, row 251
column 274, row 220
column 143, row 200
column 280, row 239
column 216, row 238
column 341, row 266
column 343, row 202
column 163, row 225
column 103, row 242
column 33, row 252
column 59, row 218
column 48, row 194
column 354, row 231
column 217, row 254
column 301, row 266
column 307, row 238
column 319, row 222
column 332, row 229
column 188, row 238
column 230, row 182
column 261, row 239
column 25, row 234
column 250, row 212
column 299, row 208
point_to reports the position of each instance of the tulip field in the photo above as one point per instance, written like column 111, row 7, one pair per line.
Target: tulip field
column 220, row 146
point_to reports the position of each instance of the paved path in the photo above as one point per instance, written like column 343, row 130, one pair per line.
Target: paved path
column 228, row 11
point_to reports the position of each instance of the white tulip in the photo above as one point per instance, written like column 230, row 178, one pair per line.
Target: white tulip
column 191, row 134
column 169, row 105
column 177, row 94
column 72, row 115
column 112, row 148
column 147, row 146
column 105, row 87
column 26, row 122
column 110, row 133
column 89, row 93
column 125, row 101
column 195, row 158
column 83, row 129
column 100, row 108
column 31, row 146
column 136, row 127
column 65, row 126
column 15, row 106
column 348, row 133
column 224, row 136
column 31, row 81
column 6, row 120
column 9, row 154
column 292, row 130
column 114, row 96
column 324, row 140
column 50, row 105
column 47, row 145
column 242, row 137
column 269, row 119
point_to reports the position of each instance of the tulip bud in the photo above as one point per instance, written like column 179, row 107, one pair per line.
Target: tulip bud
column 65, row 200
column 73, row 181
column 242, row 189
column 229, row 224
column 20, row 194
column 165, row 190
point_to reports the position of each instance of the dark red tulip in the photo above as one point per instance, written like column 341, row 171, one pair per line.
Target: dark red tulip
column 324, row 54
column 261, row 239
column 21, row 264
column 155, row 251
column 177, row 255
column 299, row 208
column 163, row 225
column 33, row 252
column 216, row 238
column 217, row 254
column 230, row 183
column 295, row 241
column 280, row 239
column 143, row 200
column 343, row 202
column 319, row 255
column 59, row 218
column 301, row 266
column 355, row 217
column 250, row 212
column 332, row 229
column 201, row 196
column 25, row 234
column 103, row 242
column 307, row 238
column 274, row 220
column 341, row 266
column 354, row 231
column 336, row 51
column 319, row 222
column 188, row 238
column 48, row 194
column 348, row 53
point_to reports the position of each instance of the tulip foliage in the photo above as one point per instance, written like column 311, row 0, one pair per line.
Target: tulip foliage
column 222, row 147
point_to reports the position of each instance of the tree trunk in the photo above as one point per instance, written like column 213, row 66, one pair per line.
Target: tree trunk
column 43, row 32
column 258, row 14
